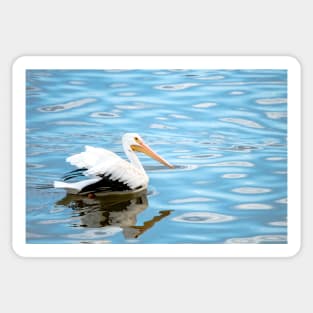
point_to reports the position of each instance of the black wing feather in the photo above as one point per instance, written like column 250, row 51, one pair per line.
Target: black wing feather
column 106, row 184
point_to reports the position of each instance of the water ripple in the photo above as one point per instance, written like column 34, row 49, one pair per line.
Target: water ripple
column 118, row 85
column 97, row 233
column 253, row 206
column 200, row 156
column 242, row 148
column 203, row 218
column 161, row 73
column 32, row 89
column 31, row 235
column 281, row 172
column 56, row 221
column 189, row 167
column 204, row 105
column 190, row 200
column 251, row 190
column 74, row 123
column 117, row 70
column 234, row 175
column 271, row 101
column 161, row 126
column 127, row 94
column 76, row 82
column 276, row 115
column 215, row 77
column 282, row 201
column 33, row 165
column 233, row 163
column 259, row 239
column 241, row 121
column 236, row 93
column 96, row 242
column 236, row 83
column 104, row 115
column 180, row 117
column 201, row 182
column 174, row 87
column 66, row 106
column 135, row 106
column 275, row 158
column 279, row 224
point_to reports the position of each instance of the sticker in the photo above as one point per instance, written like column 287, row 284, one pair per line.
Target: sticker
column 148, row 156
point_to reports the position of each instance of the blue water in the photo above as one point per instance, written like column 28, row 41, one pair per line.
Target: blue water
column 224, row 130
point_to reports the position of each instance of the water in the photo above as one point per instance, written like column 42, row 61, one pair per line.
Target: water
column 224, row 130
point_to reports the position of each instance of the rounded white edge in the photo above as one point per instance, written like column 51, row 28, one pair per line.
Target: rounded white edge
column 20, row 62
column 157, row 250
column 157, row 62
column 24, row 250
column 294, row 154
column 19, row 251
column 293, row 61
column 18, row 216
column 295, row 250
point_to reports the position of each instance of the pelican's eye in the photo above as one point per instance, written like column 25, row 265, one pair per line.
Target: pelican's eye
column 136, row 139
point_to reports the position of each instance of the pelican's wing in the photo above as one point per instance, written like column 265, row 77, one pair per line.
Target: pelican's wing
column 102, row 162
column 92, row 157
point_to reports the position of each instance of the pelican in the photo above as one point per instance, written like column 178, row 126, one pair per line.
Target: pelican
column 105, row 171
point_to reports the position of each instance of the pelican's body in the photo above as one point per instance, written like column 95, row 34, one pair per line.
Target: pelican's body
column 106, row 171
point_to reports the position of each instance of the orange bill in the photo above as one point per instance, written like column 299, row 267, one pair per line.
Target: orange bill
column 144, row 148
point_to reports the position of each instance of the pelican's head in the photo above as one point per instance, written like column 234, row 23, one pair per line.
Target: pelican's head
column 136, row 143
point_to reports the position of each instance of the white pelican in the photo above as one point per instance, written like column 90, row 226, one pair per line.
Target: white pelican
column 104, row 171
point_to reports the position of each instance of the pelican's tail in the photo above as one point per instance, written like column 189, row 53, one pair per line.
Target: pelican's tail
column 75, row 187
column 61, row 184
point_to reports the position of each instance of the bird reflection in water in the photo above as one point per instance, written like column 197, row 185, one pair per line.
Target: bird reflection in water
column 112, row 210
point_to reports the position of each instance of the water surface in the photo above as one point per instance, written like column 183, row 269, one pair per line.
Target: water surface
column 224, row 130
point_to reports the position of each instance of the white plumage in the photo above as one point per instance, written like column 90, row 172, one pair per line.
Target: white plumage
column 76, row 187
column 100, row 163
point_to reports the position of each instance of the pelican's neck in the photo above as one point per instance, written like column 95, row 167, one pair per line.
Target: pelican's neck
column 132, row 157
